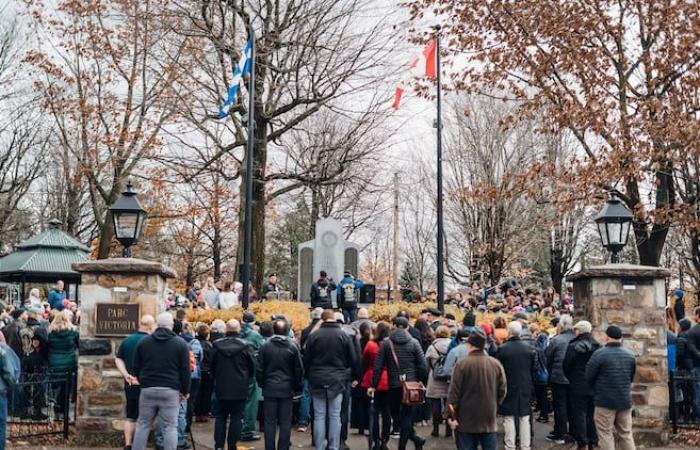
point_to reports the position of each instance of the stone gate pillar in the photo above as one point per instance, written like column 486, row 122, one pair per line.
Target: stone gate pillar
column 633, row 298
column 114, row 294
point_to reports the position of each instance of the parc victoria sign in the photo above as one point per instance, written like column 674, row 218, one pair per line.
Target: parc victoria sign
column 116, row 319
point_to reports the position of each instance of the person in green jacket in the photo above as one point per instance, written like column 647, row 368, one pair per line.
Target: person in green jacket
column 63, row 357
column 250, row 412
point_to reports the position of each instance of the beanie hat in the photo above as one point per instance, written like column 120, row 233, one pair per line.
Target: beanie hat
column 614, row 332
column 248, row 317
column 685, row 324
column 679, row 293
column 469, row 320
column 477, row 339
column 400, row 322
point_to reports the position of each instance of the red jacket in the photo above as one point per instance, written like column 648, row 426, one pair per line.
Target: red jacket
column 368, row 357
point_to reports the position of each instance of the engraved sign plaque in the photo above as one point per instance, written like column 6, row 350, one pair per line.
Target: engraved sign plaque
column 116, row 319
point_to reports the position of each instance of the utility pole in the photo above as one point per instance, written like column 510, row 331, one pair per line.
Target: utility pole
column 440, row 230
column 395, row 257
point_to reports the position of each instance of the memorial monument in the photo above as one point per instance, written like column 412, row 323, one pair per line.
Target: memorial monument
column 328, row 251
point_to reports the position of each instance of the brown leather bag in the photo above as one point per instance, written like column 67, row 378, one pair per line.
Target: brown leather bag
column 412, row 392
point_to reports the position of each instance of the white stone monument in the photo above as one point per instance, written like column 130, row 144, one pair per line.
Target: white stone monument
column 329, row 251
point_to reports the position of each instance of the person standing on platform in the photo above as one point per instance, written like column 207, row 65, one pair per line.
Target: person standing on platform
column 321, row 292
column 348, row 291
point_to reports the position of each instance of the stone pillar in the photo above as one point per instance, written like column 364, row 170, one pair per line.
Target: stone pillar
column 633, row 298
column 113, row 293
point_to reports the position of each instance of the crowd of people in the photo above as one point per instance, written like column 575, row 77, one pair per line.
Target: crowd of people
column 345, row 371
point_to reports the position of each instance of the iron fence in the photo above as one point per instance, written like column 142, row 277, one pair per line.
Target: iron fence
column 40, row 405
column 684, row 399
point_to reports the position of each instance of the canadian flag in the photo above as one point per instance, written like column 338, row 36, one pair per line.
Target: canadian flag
column 423, row 65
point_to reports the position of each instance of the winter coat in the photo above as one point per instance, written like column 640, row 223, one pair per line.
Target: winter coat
column 211, row 296
column 555, row 357
column 436, row 388
column 518, row 360
column 279, row 370
column 207, row 355
column 12, row 338
column 63, row 350
column 55, row 299
column 671, row 350
column 478, row 386
column 610, row 372
column 693, row 345
column 321, row 293
column 252, row 338
column 329, row 358
column 369, row 357
column 412, row 363
column 228, row 300
column 306, row 332
column 344, row 301
column 196, row 349
column 162, row 359
column 500, row 334
column 683, row 358
column 679, row 309
column 578, row 352
column 232, row 367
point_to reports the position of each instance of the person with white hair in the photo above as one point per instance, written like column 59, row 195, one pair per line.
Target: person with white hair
column 218, row 330
column 578, row 352
column 34, row 302
column 518, row 360
column 555, row 353
column 232, row 368
column 162, row 369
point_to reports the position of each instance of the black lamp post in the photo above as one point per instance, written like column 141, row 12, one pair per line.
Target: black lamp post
column 614, row 222
column 128, row 217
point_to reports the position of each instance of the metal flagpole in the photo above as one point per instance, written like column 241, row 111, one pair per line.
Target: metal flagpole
column 248, row 232
column 440, row 230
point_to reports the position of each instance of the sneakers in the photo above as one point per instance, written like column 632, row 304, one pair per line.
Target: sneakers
column 302, row 428
column 556, row 439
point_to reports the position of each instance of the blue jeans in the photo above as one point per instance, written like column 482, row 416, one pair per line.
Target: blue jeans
column 696, row 373
column 305, row 405
column 471, row 441
column 181, row 425
column 327, row 406
column 350, row 314
column 3, row 420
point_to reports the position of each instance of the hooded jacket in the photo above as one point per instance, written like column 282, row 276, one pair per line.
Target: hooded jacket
column 321, row 294
column 329, row 359
column 162, row 359
column 555, row 353
column 279, row 371
column 252, row 338
column 412, row 362
column 578, row 352
column 232, row 367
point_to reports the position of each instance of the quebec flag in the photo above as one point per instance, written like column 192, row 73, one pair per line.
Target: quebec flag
column 242, row 68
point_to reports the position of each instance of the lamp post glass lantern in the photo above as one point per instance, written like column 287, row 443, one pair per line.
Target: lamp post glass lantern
column 128, row 217
column 613, row 223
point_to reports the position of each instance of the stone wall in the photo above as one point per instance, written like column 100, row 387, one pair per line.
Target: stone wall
column 100, row 399
column 633, row 298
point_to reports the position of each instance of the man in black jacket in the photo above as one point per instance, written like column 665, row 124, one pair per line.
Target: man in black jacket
column 555, row 353
column 232, row 367
column 279, row 375
column 610, row 372
column 321, row 292
column 328, row 358
column 518, row 360
column 162, row 369
column 404, row 360
column 693, row 351
column 578, row 352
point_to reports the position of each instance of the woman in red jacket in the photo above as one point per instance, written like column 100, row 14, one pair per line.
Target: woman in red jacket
column 381, row 399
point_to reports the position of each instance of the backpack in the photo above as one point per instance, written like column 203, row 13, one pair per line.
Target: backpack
column 541, row 374
column 439, row 367
column 7, row 354
column 349, row 294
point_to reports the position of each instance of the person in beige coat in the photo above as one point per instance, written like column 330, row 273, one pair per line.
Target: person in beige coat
column 477, row 387
column 437, row 388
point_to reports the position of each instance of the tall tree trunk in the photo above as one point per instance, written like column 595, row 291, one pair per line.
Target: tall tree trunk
column 315, row 210
column 106, row 236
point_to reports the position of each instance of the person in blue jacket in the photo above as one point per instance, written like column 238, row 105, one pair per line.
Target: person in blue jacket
column 56, row 296
column 349, row 296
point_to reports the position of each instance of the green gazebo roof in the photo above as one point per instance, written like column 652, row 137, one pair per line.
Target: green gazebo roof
column 50, row 253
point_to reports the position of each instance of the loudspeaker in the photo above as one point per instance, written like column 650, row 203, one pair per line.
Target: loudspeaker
column 368, row 294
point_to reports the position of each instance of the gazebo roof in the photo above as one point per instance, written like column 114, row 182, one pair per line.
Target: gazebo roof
column 51, row 252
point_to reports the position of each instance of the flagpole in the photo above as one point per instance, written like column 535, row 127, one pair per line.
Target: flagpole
column 440, row 230
column 248, row 231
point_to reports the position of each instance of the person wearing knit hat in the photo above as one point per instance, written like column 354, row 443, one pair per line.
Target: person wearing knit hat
column 480, row 380
column 609, row 373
